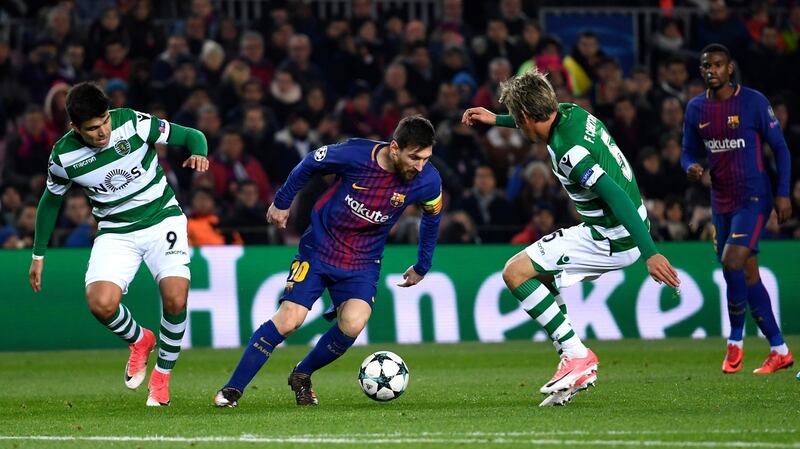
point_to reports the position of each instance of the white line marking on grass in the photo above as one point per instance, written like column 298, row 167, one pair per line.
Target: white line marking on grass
column 390, row 440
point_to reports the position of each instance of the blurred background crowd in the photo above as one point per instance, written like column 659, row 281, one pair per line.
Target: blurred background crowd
column 266, row 88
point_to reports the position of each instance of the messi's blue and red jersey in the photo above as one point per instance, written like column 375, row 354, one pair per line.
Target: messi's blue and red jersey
column 731, row 133
column 352, row 219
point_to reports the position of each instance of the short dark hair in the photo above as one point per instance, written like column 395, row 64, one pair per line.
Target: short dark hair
column 414, row 132
column 86, row 101
column 716, row 48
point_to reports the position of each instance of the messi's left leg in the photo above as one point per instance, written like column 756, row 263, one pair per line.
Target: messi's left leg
column 352, row 293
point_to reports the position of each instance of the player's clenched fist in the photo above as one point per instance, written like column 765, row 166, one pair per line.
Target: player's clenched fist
column 695, row 172
column 277, row 216
column 478, row 115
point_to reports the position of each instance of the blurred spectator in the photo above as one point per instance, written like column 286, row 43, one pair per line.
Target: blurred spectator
column 447, row 105
column 627, row 128
column 279, row 37
column 513, row 16
column 229, row 165
column 668, row 41
column 423, row 77
column 292, row 144
column 248, row 217
column 258, row 133
column 452, row 19
column 675, row 229
column 28, row 151
column 504, row 148
column 722, row 27
column 10, row 203
column 496, row 43
column 59, row 27
column 766, row 52
column 212, row 61
column 176, row 50
column 209, row 122
column 41, row 70
column 529, row 44
column 203, row 224
column 195, row 32
column 180, row 86
column 791, row 31
column 540, row 189
column 55, row 109
column 204, row 10
column 229, row 93
column 670, row 148
column 671, row 119
column 107, row 28
column 461, row 150
column 13, row 96
column 146, row 39
column 187, row 114
column 73, row 64
column 757, row 20
column 640, row 89
column 458, row 227
column 581, row 64
column 140, row 85
column 117, row 92
column 77, row 223
column 357, row 119
column 114, row 63
column 20, row 235
column 488, row 94
column 650, row 175
column 488, row 208
column 314, row 107
column 250, row 94
column 252, row 52
column 299, row 64
column 285, row 94
column 673, row 83
column 394, row 82
column 228, row 36
column 541, row 224
column 608, row 88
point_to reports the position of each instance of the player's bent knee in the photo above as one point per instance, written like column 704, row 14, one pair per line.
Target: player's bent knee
column 103, row 299
column 174, row 292
column 517, row 270
column 289, row 317
column 352, row 326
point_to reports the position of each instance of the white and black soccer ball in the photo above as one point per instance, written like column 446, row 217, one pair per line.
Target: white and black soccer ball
column 383, row 376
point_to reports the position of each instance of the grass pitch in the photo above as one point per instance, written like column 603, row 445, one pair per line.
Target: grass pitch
column 649, row 394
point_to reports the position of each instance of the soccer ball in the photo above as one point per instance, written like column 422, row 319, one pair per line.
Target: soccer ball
column 383, row 376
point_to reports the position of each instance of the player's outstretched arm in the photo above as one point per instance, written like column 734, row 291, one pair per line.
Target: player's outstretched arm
column 46, row 215
column 658, row 266
column 479, row 115
column 195, row 141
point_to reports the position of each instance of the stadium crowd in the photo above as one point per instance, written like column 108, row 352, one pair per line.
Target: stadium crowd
column 268, row 92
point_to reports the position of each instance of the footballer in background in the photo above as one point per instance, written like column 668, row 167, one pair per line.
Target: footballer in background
column 727, row 125
column 111, row 155
column 341, row 250
column 614, row 233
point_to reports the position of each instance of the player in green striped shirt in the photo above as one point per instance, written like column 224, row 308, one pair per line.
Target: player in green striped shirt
column 613, row 235
column 112, row 156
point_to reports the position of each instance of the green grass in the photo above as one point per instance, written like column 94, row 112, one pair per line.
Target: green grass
column 657, row 393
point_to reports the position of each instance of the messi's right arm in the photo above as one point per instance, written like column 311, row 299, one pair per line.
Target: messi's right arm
column 327, row 159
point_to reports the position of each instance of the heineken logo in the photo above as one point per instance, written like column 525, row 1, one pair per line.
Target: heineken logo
column 123, row 147
column 117, row 180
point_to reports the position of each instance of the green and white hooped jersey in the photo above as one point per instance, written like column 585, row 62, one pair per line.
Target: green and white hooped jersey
column 582, row 150
column 125, row 185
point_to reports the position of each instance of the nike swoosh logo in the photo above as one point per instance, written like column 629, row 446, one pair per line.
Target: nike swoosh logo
column 703, row 125
column 736, row 236
column 358, row 187
column 553, row 382
column 736, row 365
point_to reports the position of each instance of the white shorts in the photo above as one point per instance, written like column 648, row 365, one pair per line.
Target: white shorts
column 164, row 247
column 571, row 255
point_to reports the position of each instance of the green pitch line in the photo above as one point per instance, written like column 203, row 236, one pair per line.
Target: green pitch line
column 654, row 393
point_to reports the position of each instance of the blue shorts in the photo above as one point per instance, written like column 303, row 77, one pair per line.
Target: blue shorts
column 308, row 278
column 741, row 227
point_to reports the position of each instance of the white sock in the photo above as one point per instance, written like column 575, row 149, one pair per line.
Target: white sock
column 574, row 348
column 739, row 343
column 782, row 349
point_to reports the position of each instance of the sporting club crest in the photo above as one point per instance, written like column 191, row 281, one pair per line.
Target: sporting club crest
column 122, row 147
column 733, row 121
column 397, row 199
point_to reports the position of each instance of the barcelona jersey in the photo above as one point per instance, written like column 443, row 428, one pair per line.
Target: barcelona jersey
column 351, row 221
